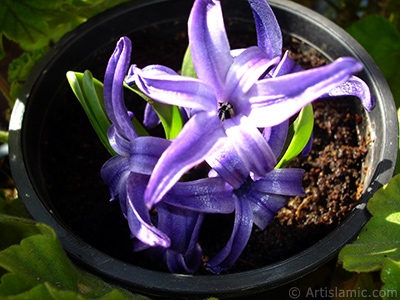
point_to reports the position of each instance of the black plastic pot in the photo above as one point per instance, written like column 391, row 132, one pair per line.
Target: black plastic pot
column 41, row 95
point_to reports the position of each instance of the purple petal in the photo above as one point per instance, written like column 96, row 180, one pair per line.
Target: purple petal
column 158, row 84
column 249, row 143
column 276, row 136
column 208, row 195
column 145, row 152
column 117, row 141
column 183, row 228
column 269, row 34
column 228, row 164
column 184, row 263
column 131, row 77
column 189, row 148
column 274, row 100
column 246, row 69
column 139, row 246
column 265, row 207
column 209, row 44
column 238, row 239
column 115, row 173
column 281, row 181
column 286, row 66
column 355, row 87
column 114, row 91
column 151, row 118
column 138, row 216
column 178, row 224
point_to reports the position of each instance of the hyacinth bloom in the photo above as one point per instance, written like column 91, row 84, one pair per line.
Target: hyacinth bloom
column 235, row 83
column 128, row 172
column 235, row 94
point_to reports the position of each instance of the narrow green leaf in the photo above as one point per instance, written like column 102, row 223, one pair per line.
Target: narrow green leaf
column 93, row 94
column 299, row 134
column 187, row 65
column 380, row 238
column 83, row 86
column 169, row 115
column 89, row 92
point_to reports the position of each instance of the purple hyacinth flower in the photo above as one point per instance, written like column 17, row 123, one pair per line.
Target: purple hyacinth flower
column 128, row 172
column 234, row 83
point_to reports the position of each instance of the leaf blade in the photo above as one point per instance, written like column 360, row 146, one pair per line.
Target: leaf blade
column 301, row 131
column 380, row 238
column 83, row 86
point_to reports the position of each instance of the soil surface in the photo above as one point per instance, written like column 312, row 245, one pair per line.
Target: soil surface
column 74, row 156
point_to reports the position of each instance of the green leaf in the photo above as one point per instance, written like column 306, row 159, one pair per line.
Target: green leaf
column 39, row 269
column 90, row 95
column 390, row 276
column 298, row 136
column 397, row 169
column 11, row 206
column 358, row 286
column 4, row 136
column 20, row 68
column 27, row 22
column 187, row 65
column 89, row 8
column 382, row 41
column 169, row 115
column 2, row 51
column 89, row 92
column 13, row 229
column 46, row 291
column 380, row 238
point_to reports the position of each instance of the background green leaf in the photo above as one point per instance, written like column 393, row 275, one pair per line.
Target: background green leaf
column 38, row 267
column 390, row 275
column 26, row 22
column 380, row 238
column 382, row 41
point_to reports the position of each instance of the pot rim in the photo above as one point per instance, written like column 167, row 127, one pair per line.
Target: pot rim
column 160, row 283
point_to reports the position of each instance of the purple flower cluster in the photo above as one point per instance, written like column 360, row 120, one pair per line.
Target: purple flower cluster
column 237, row 112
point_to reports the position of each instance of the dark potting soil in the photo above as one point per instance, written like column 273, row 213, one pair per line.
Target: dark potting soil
column 74, row 156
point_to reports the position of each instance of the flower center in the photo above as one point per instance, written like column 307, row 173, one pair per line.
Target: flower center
column 225, row 111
